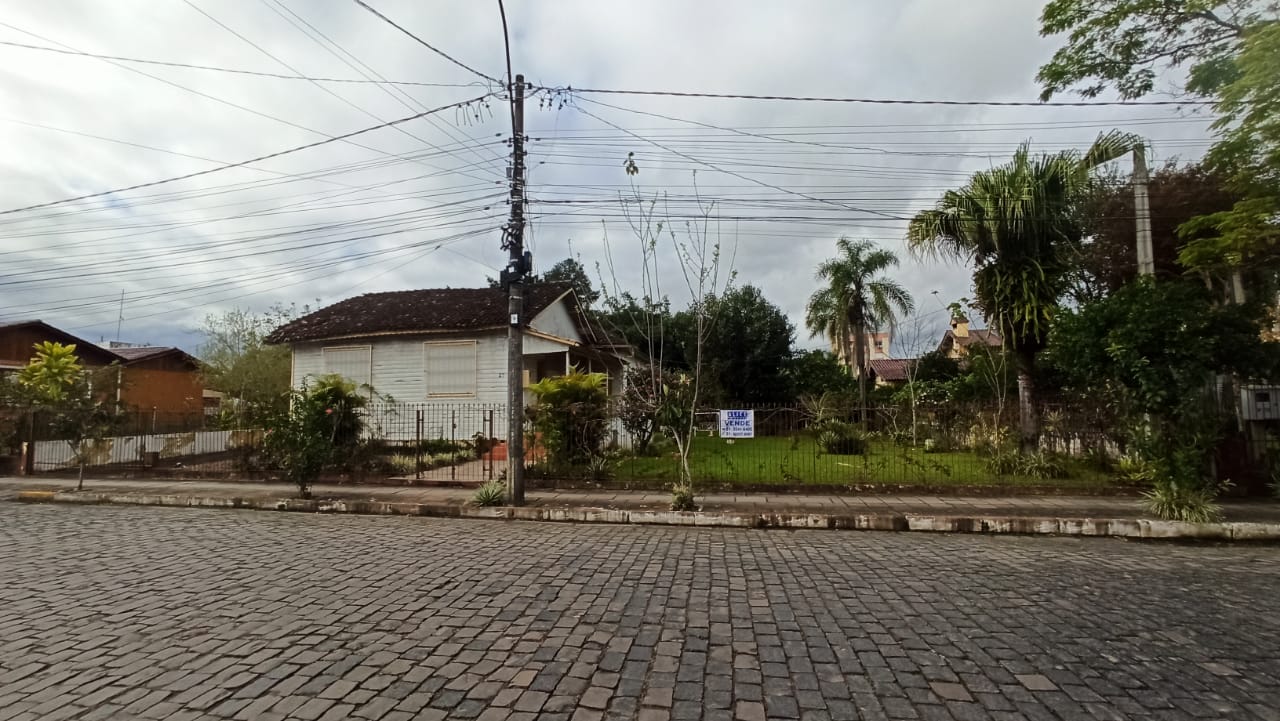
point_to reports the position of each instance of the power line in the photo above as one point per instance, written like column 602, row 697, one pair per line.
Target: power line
column 426, row 44
column 236, row 71
column 723, row 170
column 350, row 60
column 242, row 163
column 876, row 101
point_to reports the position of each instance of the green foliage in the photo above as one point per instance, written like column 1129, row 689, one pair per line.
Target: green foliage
column 1174, row 502
column 1150, row 349
column 815, row 372
column 1122, row 44
column 1018, row 226
column 321, row 425
column 1247, row 235
column 937, row 367
column 1177, row 194
column 1042, row 465
column 239, row 363
column 1133, row 470
column 490, row 493
column 75, row 404
column 747, row 350
column 682, row 498
column 571, row 413
column 51, row 377
column 838, row 438
column 856, row 298
column 570, row 272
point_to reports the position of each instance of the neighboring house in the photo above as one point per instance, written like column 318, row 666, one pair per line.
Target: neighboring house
column 877, row 347
column 890, row 371
column 958, row 340
column 448, row 346
column 18, row 340
column 163, row 379
column 166, row 380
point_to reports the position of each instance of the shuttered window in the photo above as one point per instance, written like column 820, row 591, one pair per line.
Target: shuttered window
column 355, row 363
column 450, row 368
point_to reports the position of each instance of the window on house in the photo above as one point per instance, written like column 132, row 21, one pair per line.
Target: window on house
column 450, row 368
column 355, row 363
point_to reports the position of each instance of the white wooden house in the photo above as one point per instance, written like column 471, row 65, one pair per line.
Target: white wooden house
column 447, row 347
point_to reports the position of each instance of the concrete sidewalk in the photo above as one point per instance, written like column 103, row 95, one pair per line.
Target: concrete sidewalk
column 1088, row 515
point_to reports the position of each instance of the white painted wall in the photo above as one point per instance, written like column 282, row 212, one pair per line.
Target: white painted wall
column 556, row 320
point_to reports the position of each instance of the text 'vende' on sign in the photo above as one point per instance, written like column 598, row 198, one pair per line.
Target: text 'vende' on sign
column 737, row 424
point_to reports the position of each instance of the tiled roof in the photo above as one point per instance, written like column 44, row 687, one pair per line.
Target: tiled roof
column 408, row 311
column 146, row 353
column 891, row 369
column 142, row 352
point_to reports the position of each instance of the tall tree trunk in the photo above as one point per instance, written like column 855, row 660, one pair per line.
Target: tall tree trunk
column 1028, row 417
column 860, row 363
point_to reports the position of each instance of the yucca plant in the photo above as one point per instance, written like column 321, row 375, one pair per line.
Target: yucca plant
column 491, row 493
column 1177, row 502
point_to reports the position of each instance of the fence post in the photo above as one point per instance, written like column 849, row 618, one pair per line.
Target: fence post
column 417, row 448
column 453, row 454
column 489, row 441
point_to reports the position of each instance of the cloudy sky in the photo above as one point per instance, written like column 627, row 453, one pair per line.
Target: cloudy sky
column 421, row 204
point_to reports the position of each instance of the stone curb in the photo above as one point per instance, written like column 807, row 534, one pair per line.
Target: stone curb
column 1115, row 527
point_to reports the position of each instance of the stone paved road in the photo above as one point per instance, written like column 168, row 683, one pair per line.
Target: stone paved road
column 121, row 613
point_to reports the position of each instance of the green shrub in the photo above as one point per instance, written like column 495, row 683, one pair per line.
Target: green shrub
column 682, row 498
column 1043, row 465
column 402, row 463
column 842, row 439
column 491, row 493
column 1176, row 502
column 571, row 413
column 1004, row 462
column 432, row 446
column 1132, row 470
column 321, row 425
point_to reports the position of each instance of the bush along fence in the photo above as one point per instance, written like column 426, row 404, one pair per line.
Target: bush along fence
column 576, row 438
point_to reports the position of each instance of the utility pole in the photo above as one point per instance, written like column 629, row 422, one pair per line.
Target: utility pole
column 1142, row 212
column 513, row 276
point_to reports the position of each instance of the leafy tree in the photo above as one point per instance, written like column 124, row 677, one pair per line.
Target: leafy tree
column 1019, row 227
column 317, row 425
column 239, row 362
column 1231, row 50
column 1122, row 44
column 568, row 271
column 1108, row 258
column 749, row 347
column 1150, row 348
column 649, row 326
column 817, row 372
column 78, row 405
column 1247, row 235
column 857, row 299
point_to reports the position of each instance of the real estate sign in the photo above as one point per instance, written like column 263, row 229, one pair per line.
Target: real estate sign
column 737, row 424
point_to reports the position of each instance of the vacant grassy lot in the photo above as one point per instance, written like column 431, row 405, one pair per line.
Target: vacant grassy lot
column 799, row 461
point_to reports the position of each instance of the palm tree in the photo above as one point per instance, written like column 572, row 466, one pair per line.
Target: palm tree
column 857, row 299
column 1018, row 226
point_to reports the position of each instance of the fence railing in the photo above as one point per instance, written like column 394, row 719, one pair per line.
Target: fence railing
column 793, row 445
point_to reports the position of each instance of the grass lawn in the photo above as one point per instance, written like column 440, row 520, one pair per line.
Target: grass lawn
column 786, row 461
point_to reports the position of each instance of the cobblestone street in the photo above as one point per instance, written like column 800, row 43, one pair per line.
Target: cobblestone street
column 122, row 613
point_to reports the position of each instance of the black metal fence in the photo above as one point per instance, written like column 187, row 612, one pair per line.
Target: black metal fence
column 793, row 445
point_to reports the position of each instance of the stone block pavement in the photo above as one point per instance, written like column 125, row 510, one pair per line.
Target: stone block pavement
column 185, row 614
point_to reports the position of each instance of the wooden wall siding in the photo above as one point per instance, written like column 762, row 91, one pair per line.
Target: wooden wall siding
column 399, row 370
column 16, row 348
column 164, row 390
column 557, row 321
column 174, row 362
